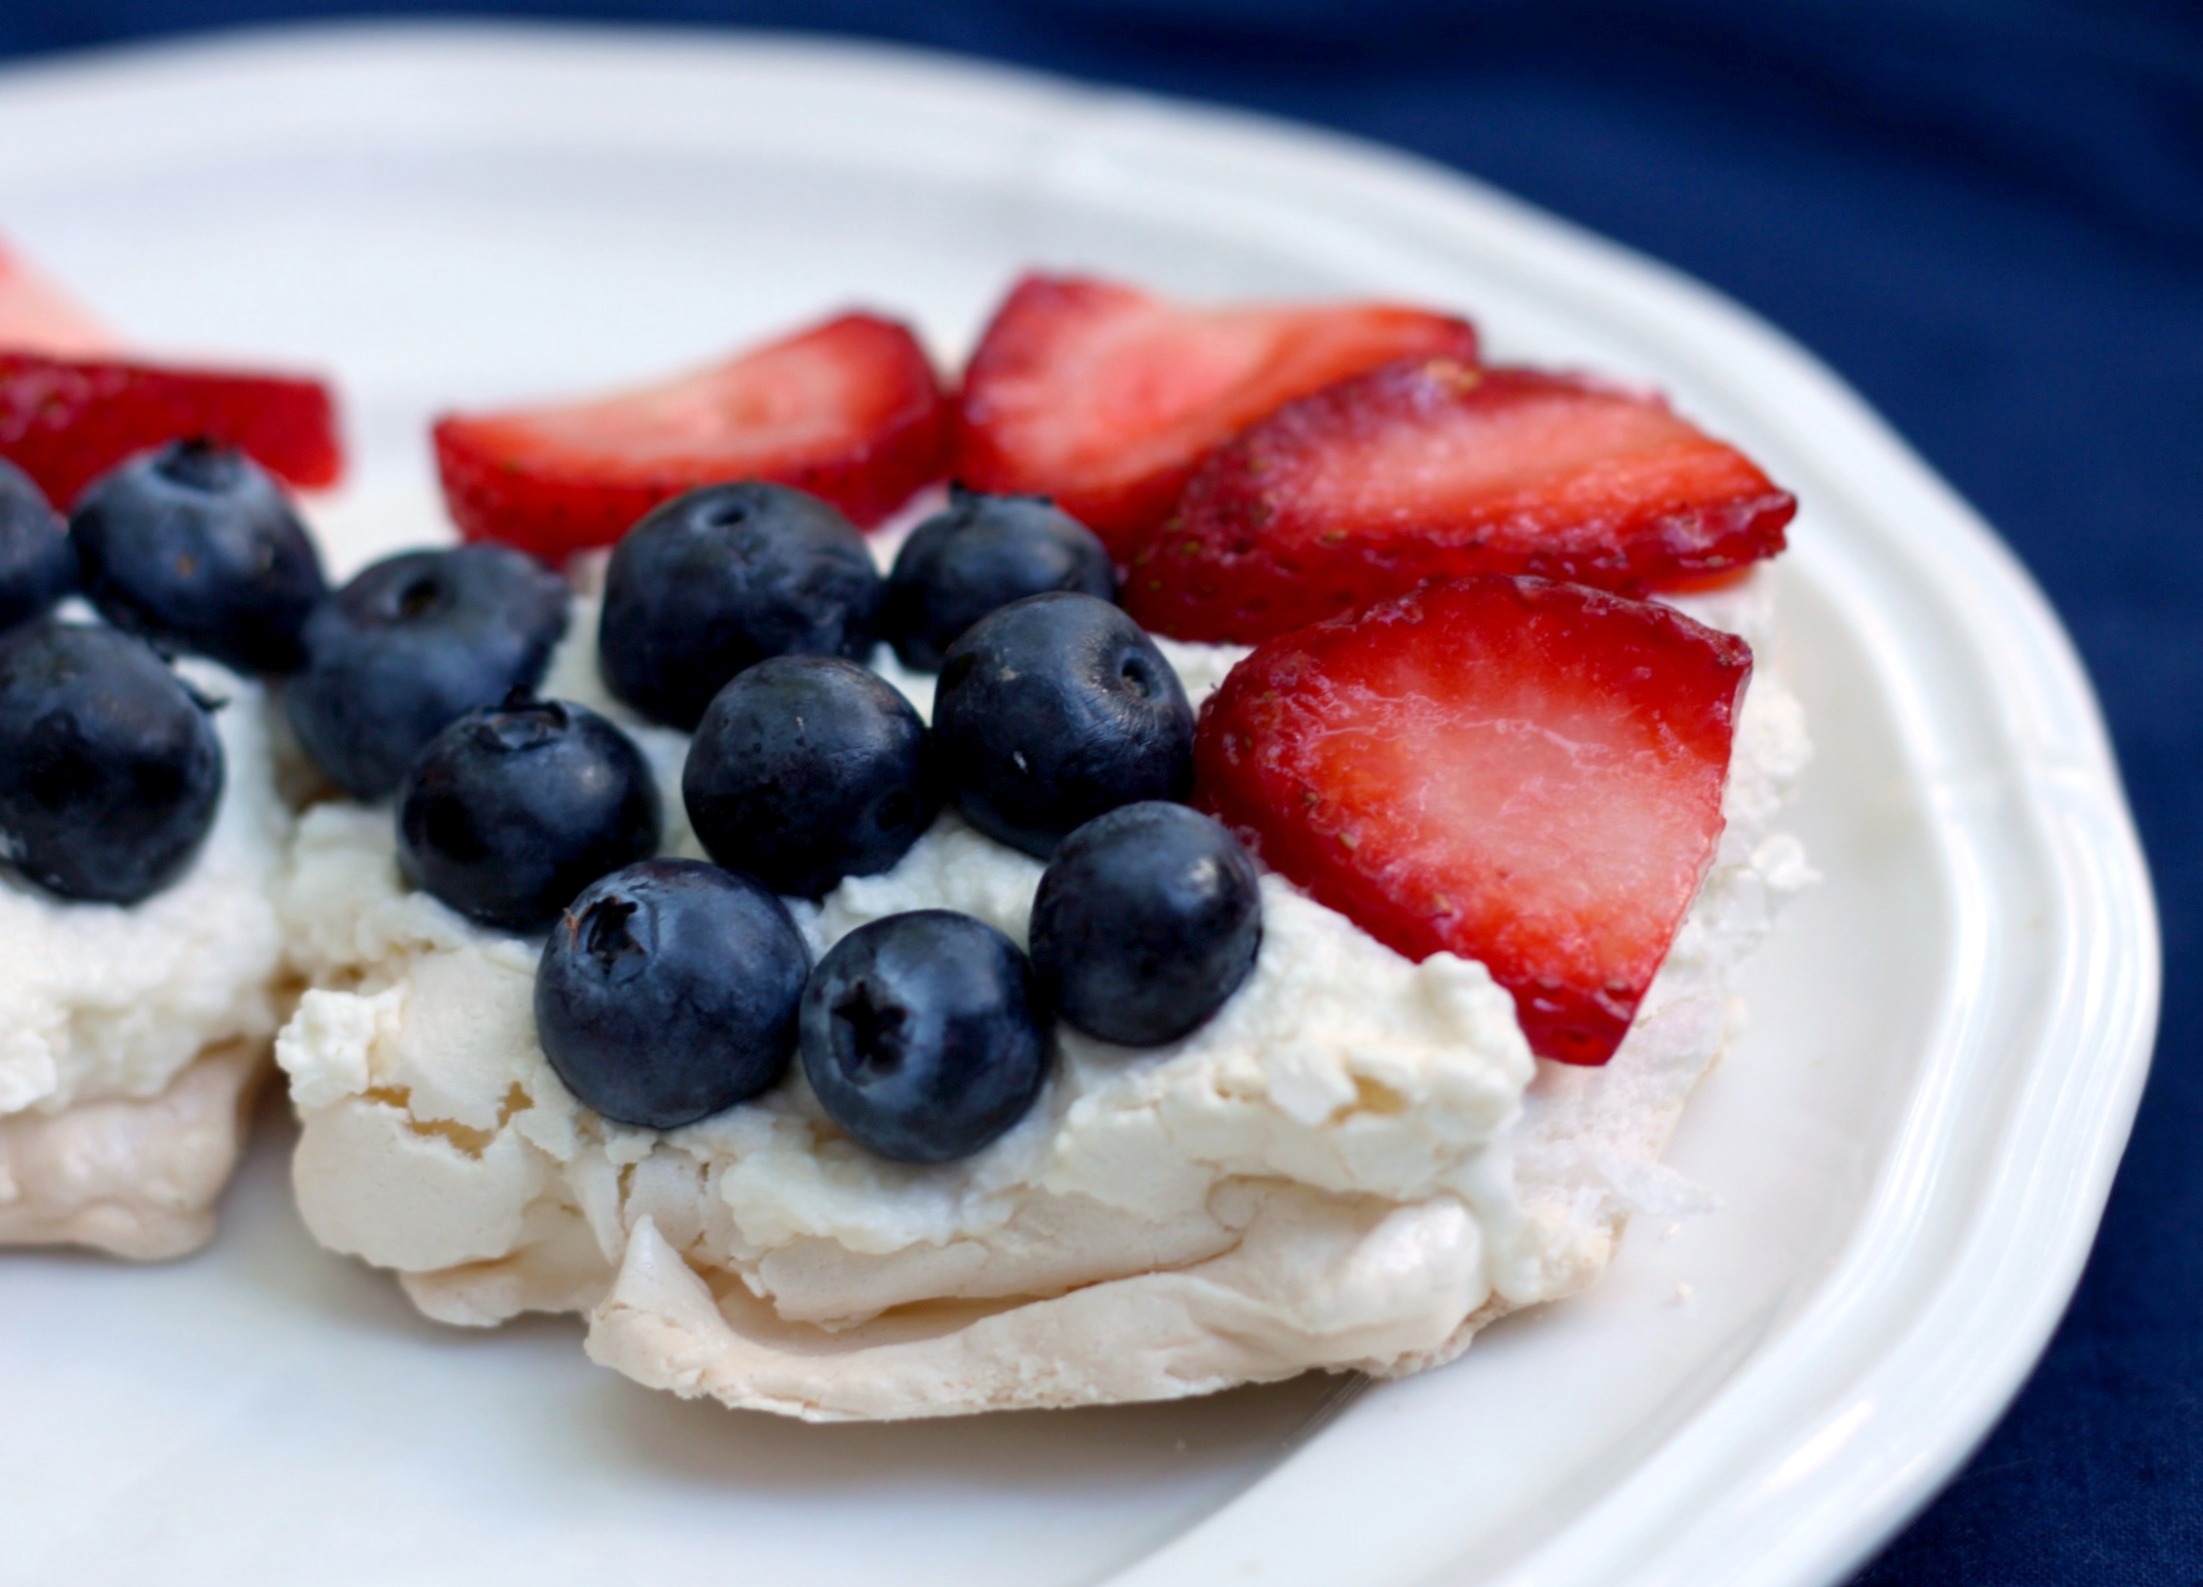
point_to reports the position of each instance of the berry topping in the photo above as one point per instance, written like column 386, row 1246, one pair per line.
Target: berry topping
column 413, row 643
column 194, row 547
column 1104, row 397
column 723, row 577
column 983, row 553
column 1146, row 922
column 923, row 1035
column 1436, row 470
column 667, row 992
column 807, row 769
column 65, row 421
column 511, row 812
column 1053, row 710
column 110, row 770
column 1522, row 773
column 37, row 562
column 850, row 410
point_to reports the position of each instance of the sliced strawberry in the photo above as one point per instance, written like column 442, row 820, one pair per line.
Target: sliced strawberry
column 71, row 407
column 850, row 410
column 1105, row 398
column 1523, row 773
column 1432, row 469
column 38, row 317
column 66, row 421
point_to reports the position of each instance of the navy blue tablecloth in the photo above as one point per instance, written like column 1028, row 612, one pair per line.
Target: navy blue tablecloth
column 1988, row 216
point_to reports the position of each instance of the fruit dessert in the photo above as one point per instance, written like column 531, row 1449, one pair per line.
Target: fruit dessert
column 139, row 819
column 877, row 978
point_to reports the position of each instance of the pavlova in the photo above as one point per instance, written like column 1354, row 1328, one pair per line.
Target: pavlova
column 1245, row 885
column 140, row 823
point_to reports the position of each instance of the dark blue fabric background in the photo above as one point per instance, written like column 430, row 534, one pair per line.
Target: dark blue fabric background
column 1989, row 218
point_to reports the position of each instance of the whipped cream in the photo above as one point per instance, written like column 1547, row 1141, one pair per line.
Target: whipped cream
column 130, row 1035
column 1353, row 1165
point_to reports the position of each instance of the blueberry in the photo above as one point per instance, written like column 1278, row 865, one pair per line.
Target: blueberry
column 510, row 812
column 982, row 554
column 195, row 547
column 923, row 1035
column 37, row 561
column 110, row 770
column 1053, row 710
column 720, row 579
column 807, row 769
column 668, row 992
column 1147, row 921
column 413, row 643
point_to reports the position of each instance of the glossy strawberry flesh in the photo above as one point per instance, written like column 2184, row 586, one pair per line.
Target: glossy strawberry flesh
column 1522, row 773
column 850, row 410
column 1432, row 469
column 1105, row 398
column 65, row 422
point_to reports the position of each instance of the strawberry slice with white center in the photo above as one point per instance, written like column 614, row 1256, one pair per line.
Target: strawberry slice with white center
column 1433, row 469
column 1105, row 397
column 850, row 410
column 1524, row 773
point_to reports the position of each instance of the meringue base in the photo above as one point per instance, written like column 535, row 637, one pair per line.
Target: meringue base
column 136, row 1177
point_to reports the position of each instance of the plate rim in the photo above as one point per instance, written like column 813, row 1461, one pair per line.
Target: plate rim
column 1815, row 1503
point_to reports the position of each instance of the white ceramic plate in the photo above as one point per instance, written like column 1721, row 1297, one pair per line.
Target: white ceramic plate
column 1913, row 1145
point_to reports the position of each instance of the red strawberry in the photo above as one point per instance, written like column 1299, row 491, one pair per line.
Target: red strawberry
column 1432, row 469
column 1523, row 773
column 37, row 316
column 66, row 421
column 1105, row 398
column 849, row 410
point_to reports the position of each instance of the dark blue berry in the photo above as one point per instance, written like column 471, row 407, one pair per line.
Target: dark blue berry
column 668, row 992
column 1053, row 710
column 923, row 1035
column 807, row 769
column 510, row 812
column 412, row 644
column 37, row 560
column 195, row 547
column 719, row 580
column 1147, row 921
column 982, row 554
column 110, row 770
